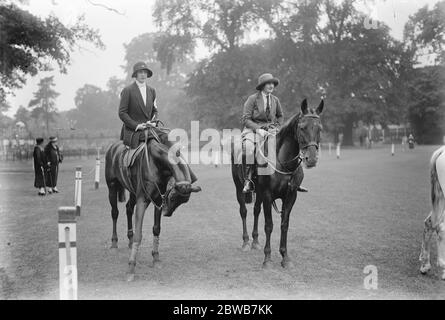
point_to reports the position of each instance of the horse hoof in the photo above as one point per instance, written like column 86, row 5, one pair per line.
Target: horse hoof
column 425, row 268
column 130, row 277
column 255, row 246
column 267, row 265
column 287, row 264
column 113, row 245
column 245, row 247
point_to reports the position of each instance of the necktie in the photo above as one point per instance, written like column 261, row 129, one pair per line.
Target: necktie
column 267, row 108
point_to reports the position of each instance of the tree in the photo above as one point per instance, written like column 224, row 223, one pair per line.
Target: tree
column 220, row 24
column 96, row 109
column 43, row 103
column 425, row 32
column 28, row 44
column 427, row 104
column 22, row 114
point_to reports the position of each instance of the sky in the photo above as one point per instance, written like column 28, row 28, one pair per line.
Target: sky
column 134, row 17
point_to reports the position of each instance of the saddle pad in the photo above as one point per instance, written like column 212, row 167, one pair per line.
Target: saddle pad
column 130, row 155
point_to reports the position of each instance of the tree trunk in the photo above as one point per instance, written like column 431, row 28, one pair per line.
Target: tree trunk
column 348, row 131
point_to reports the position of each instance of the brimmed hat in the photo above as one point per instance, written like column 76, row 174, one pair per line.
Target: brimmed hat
column 52, row 139
column 141, row 66
column 266, row 78
column 39, row 140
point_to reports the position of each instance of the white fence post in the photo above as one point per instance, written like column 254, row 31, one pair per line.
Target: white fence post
column 78, row 190
column 67, row 253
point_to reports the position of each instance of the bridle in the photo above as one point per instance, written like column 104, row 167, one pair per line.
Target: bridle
column 299, row 157
column 163, row 196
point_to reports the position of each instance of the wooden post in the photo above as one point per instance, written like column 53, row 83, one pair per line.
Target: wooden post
column 67, row 253
column 338, row 150
column 78, row 190
column 392, row 149
column 97, row 174
column 330, row 147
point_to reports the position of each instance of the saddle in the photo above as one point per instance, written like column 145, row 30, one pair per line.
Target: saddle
column 130, row 155
column 126, row 162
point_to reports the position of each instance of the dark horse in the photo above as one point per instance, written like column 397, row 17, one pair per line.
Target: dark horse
column 296, row 142
column 152, row 178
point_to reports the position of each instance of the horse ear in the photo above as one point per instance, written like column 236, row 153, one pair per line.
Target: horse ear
column 304, row 106
column 320, row 107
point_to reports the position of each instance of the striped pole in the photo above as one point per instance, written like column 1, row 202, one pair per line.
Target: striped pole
column 78, row 190
column 338, row 150
column 67, row 253
column 97, row 174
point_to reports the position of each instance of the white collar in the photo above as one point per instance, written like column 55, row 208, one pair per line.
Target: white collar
column 265, row 94
column 141, row 85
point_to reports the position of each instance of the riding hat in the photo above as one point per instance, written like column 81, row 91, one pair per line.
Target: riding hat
column 266, row 78
column 52, row 139
column 141, row 66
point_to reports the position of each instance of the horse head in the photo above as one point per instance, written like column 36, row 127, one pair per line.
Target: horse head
column 177, row 194
column 308, row 133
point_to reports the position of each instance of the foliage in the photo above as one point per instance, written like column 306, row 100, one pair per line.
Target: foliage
column 29, row 44
column 427, row 104
column 43, row 103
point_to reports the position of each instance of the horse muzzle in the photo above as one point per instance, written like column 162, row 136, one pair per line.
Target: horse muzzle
column 178, row 195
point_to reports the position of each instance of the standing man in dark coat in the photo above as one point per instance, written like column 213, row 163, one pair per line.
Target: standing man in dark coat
column 39, row 166
column 54, row 157
column 138, row 110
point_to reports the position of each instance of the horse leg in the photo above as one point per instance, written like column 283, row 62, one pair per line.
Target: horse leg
column 130, row 209
column 426, row 246
column 112, row 197
column 256, row 214
column 288, row 203
column 441, row 249
column 268, row 227
column 156, row 233
column 243, row 213
column 141, row 206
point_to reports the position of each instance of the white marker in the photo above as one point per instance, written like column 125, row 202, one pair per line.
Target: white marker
column 97, row 174
column 67, row 254
column 78, row 190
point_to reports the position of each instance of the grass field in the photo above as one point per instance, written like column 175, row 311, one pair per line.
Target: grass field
column 365, row 209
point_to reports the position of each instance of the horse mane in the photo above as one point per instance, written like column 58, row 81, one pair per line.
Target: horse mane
column 288, row 129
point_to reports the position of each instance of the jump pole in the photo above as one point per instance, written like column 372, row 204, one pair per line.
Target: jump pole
column 97, row 173
column 67, row 253
column 78, row 190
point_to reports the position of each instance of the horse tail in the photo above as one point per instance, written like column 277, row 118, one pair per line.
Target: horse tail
column 437, row 196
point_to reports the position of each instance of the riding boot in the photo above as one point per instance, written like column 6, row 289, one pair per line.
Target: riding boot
column 248, row 179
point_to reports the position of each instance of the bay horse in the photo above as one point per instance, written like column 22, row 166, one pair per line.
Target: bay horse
column 152, row 178
column 297, row 142
column 435, row 222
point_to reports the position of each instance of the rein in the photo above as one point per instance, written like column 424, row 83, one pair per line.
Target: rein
column 147, row 194
column 298, row 157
